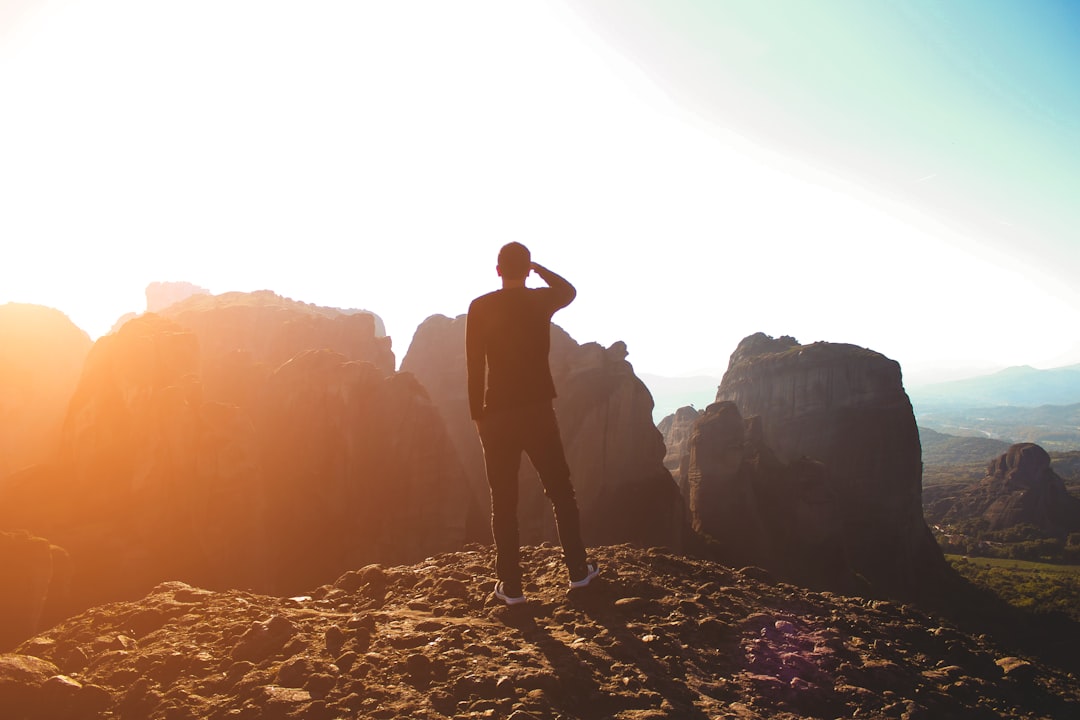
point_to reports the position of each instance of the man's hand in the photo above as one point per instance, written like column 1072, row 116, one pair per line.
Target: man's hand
column 555, row 281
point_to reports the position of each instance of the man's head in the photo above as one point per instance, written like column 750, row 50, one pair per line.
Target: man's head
column 514, row 262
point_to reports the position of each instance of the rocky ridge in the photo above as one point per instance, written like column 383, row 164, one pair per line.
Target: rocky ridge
column 659, row 635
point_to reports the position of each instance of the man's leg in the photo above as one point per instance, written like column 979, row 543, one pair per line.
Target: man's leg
column 502, row 459
column 545, row 449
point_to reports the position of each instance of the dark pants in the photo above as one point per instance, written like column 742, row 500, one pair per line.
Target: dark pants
column 506, row 434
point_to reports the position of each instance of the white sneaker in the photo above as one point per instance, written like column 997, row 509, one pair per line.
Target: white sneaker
column 592, row 570
column 508, row 596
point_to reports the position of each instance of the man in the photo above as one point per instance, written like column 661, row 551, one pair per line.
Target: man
column 507, row 339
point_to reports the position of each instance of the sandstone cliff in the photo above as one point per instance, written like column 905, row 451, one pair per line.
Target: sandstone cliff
column 310, row 467
column 758, row 510
column 605, row 415
column 676, row 429
column 41, row 356
column 846, row 407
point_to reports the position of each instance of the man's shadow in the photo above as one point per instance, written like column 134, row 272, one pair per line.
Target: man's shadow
column 578, row 671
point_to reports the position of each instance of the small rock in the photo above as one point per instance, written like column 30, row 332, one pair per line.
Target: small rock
column 294, row 673
column 334, row 638
column 1017, row 668
column 345, row 661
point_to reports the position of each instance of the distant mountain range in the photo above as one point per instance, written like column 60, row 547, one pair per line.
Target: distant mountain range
column 1017, row 404
column 1022, row 386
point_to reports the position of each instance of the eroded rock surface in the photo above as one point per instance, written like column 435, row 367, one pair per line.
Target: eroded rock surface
column 845, row 407
column 757, row 510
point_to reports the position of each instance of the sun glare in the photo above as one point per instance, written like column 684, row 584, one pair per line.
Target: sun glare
column 377, row 154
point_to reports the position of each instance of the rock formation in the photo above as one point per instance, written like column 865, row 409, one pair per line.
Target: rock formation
column 676, row 429
column 41, row 356
column 615, row 452
column 308, row 468
column 845, row 406
column 270, row 329
column 757, row 510
column 1020, row 488
column 160, row 295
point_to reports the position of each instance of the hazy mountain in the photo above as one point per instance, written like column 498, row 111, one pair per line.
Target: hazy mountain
column 1022, row 385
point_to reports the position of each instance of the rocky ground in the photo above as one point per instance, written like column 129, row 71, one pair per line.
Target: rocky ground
column 658, row 636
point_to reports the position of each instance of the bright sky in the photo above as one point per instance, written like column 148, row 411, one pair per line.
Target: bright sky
column 897, row 175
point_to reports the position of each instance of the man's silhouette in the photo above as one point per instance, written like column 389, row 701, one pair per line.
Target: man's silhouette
column 507, row 339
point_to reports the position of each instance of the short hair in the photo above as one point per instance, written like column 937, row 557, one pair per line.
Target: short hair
column 514, row 261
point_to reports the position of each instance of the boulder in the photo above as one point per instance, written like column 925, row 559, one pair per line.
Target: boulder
column 22, row 678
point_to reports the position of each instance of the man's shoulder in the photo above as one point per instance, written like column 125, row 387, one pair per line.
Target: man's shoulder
column 483, row 300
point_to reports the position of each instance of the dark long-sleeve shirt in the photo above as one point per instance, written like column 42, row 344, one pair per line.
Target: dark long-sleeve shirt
column 507, row 338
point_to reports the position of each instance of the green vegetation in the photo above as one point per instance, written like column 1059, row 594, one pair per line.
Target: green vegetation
column 1054, row 427
column 1019, row 542
column 1036, row 587
column 941, row 450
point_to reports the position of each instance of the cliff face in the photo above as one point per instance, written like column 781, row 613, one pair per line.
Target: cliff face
column 846, row 407
column 760, row 511
column 33, row 577
column 311, row 467
column 41, row 356
column 676, row 429
column 615, row 452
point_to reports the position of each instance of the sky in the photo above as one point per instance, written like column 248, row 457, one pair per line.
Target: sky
column 899, row 175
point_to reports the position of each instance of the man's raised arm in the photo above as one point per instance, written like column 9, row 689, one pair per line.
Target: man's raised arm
column 563, row 290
